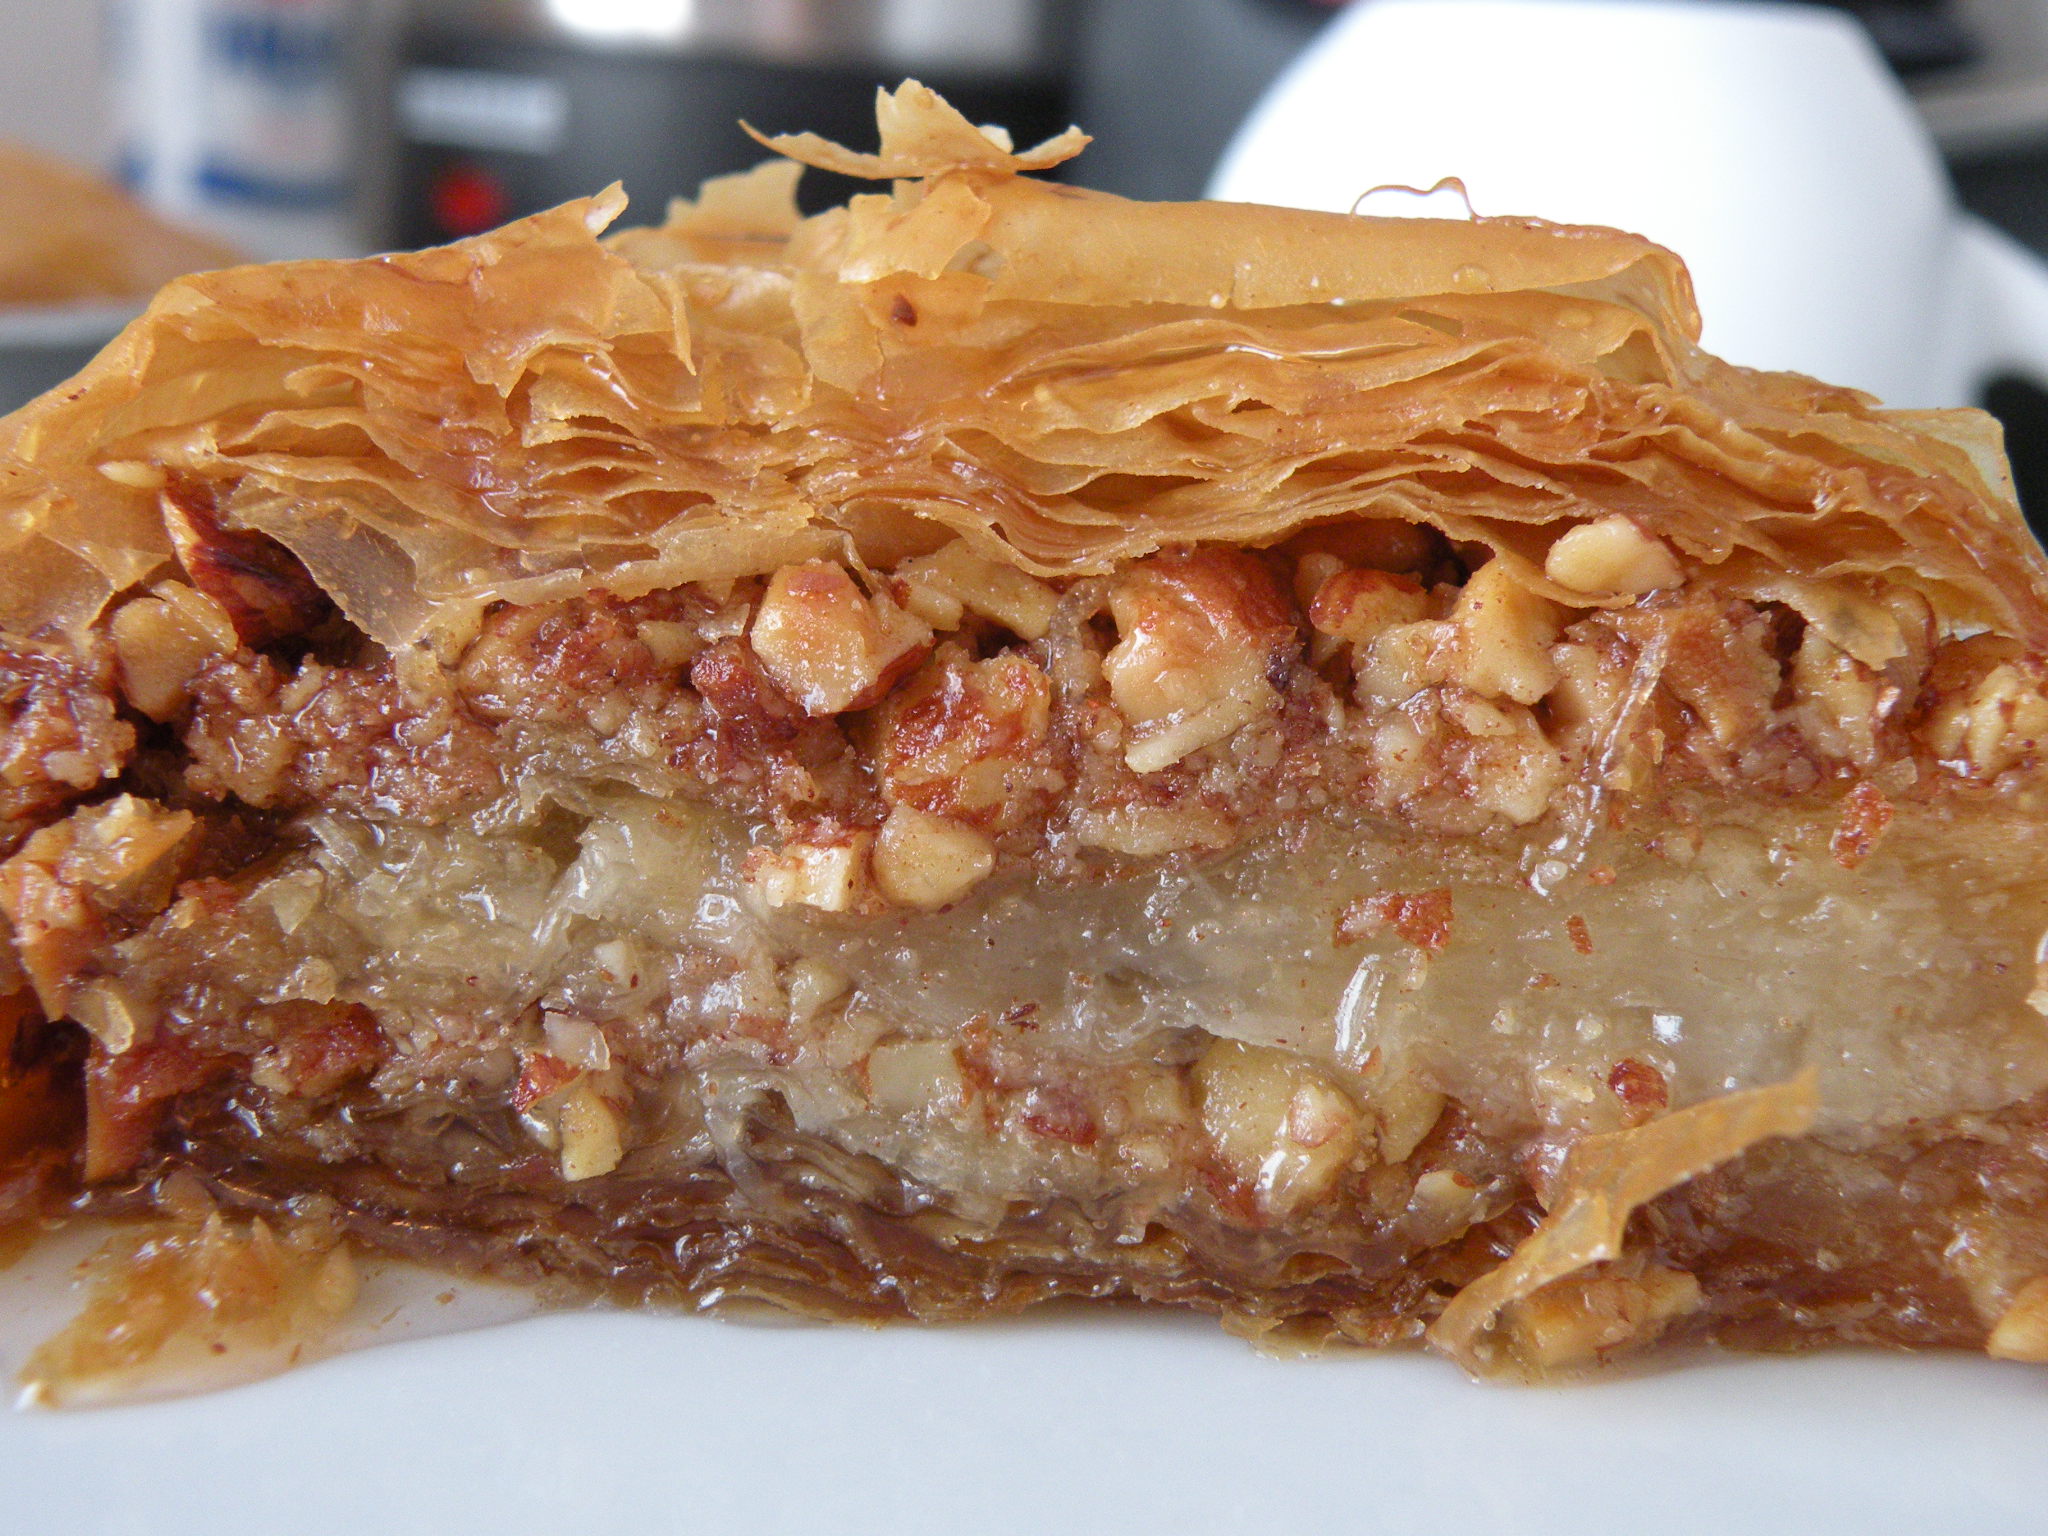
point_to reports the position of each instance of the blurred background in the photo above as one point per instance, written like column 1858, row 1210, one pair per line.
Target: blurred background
column 317, row 127
column 301, row 124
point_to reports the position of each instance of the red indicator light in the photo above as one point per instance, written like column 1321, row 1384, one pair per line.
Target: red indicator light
column 466, row 199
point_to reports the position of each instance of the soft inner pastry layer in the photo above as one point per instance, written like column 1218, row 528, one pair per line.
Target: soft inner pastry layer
column 1687, row 966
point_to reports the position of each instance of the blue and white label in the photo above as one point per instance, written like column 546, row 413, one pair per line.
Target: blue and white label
column 238, row 114
column 277, row 108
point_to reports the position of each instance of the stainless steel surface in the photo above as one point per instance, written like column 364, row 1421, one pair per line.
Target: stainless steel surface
column 1989, row 116
column 2001, row 102
column 42, row 347
column 503, row 107
column 1163, row 84
column 1007, row 36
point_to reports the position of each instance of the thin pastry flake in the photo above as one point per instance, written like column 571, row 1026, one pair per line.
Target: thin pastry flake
column 998, row 743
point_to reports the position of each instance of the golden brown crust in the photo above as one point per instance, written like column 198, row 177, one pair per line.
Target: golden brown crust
column 1067, row 380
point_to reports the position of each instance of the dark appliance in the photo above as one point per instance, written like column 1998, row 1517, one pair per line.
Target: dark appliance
column 503, row 107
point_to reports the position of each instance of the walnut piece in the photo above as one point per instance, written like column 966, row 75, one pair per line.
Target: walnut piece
column 1509, row 764
column 1592, row 1315
column 1999, row 721
column 1355, row 605
column 1406, row 1111
column 1505, row 632
column 941, row 586
column 969, row 740
column 589, row 1129
column 830, row 646
column 108, row 1014
column 831, row 876
column 913, row 1076
column 812, row 985
column 928, row 862
column 163, row 640
column 1840, row 702
column 2022, row 1330
column 57, row 892
column 1200, row 632
column 1611, row 557
column 61, row 734
column 1403, row 659
column 262, row 586
column 1281, row 1125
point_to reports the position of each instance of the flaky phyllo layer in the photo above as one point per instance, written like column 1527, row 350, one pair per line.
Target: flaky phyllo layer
column 1000, row 743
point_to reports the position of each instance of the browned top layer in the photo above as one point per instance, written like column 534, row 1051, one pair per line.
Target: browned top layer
column 1067, row 380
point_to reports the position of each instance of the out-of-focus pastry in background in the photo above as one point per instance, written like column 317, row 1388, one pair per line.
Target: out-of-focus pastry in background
column 67, row 235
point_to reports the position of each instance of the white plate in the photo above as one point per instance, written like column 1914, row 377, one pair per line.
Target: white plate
column 1072, row 1426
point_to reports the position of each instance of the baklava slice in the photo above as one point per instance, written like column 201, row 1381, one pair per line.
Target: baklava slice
column 999, row 743
column 67, row 237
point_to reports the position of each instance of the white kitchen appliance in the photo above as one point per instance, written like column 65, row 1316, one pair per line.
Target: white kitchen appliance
column 1767, row 144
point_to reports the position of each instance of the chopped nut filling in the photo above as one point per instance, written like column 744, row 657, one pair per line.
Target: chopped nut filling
column 999, row 884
